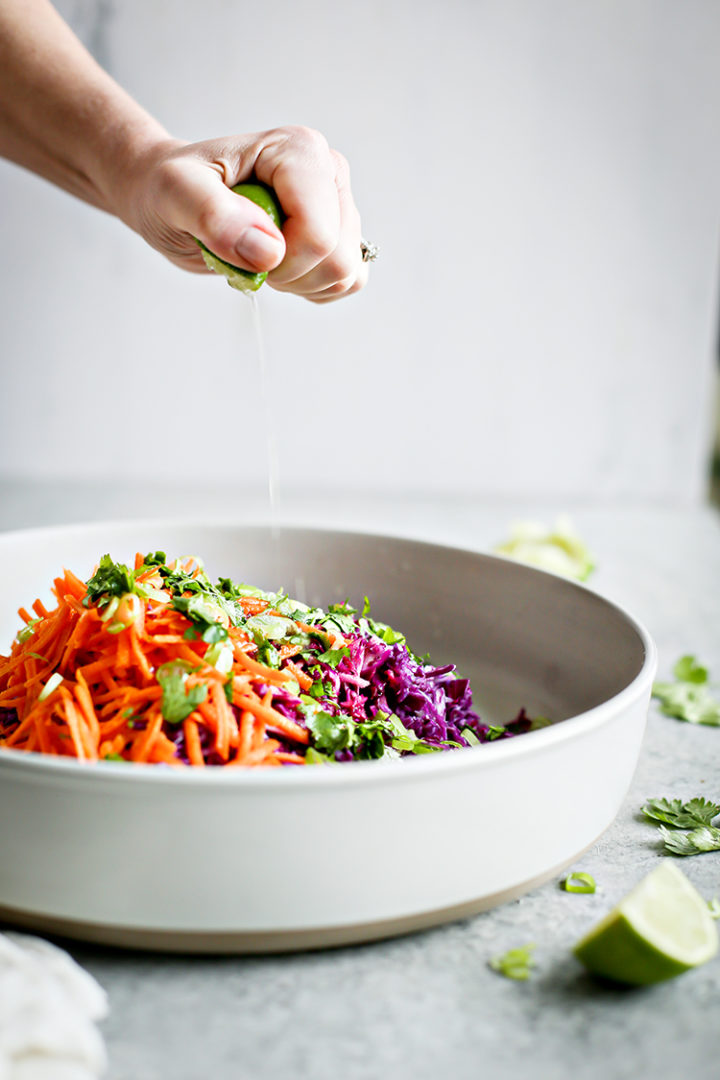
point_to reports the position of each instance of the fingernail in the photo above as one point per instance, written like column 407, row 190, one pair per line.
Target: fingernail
column 256, row 247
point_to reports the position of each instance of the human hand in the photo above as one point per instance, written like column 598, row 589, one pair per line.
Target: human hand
column 176, row 191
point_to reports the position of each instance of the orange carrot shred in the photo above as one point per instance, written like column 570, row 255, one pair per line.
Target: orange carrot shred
column 109, row 702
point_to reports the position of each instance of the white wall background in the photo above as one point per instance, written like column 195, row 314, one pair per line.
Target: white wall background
column 543, row 177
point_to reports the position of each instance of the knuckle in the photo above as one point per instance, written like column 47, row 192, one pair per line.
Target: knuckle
column 340, row 266
column 342, row 287
column 342, row 166
column 311, row 139
column 320, row 244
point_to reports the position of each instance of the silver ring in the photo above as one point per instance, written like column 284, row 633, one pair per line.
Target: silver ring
column 368, row 251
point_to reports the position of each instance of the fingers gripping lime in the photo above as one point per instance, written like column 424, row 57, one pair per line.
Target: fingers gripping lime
column 245, row 280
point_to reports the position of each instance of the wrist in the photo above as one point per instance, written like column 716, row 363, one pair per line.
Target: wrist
column 125, row 160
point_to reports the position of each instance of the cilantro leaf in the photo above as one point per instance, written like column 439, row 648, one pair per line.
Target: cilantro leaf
column 690, row 697
column 110, row 579
column 680, row 815
column 314, row 757
column 696, row 842
column 688, row 670
column 177, row 701
column 515, row 963
column 332, row 657
column 155, row 558
column 204, row 617
column 385, row 632
column 330, row 733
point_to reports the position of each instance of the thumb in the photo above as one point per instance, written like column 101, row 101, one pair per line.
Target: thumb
column 231, row 226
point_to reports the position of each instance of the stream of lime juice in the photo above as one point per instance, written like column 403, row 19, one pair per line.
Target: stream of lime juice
column 266, row 398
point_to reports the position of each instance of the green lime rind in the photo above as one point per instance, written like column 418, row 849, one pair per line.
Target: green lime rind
column 245, row 281
column 661, row 929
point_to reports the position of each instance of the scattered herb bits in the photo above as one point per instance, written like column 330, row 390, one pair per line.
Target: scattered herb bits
column 515, row 963
column 579, row 882
column 696, row 816
column 689, row 698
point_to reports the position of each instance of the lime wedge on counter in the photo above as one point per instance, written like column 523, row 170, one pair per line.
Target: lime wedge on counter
column 245, row 280
column 559, row 550
column 660, row 929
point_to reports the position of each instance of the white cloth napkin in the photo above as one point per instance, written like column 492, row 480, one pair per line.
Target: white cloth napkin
column 48, row 1009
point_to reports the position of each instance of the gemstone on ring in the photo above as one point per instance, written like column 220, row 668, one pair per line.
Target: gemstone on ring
column 369, row 251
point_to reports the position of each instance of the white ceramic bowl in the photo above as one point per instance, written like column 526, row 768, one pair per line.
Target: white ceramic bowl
column 261, row 860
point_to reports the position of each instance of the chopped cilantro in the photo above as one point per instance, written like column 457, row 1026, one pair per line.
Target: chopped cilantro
column 494, row 731
column 204, row 617
column 314, row 757
column 331, row 733
column 696, row 842
column 680, row 815
column 696, row 815
column 332, row 657
column 177, row 701
column 689, row 697
column 110, row 579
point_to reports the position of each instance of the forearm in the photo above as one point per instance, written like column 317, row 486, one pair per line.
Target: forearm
column 61, row 115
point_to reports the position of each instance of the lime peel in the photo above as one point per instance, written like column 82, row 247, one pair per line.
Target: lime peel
column 662, row 928
column 245, row 281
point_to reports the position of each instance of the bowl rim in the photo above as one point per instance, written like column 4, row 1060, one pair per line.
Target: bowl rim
column 350, row 773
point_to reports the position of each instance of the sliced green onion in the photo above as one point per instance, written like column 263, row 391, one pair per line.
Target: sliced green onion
column 27, row 631
column 579, row 882
column 220, row 656
column 110, row 609
column 52, row 684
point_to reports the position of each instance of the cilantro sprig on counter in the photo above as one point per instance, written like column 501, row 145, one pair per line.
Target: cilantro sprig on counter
column 680, row 815
column 689, row 698
column 696, row 815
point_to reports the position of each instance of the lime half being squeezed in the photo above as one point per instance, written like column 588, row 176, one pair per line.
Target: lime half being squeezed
column 245, row 280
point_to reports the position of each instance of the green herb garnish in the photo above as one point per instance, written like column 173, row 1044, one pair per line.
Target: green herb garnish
column 515, row 963
column 110, row 579
column 696, row 842
column 178, row 701
column 689, row 698
column 579, row 882
column 680, row 815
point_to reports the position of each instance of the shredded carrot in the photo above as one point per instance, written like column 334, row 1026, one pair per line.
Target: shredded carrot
column 109, row 701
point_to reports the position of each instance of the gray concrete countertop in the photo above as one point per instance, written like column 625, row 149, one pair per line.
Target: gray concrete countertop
column 427, row 1005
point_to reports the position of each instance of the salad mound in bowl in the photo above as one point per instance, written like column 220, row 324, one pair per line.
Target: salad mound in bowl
column 399, row 824
column 156, row 664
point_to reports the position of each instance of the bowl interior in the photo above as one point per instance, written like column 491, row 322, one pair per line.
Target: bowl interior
column 525, row 638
